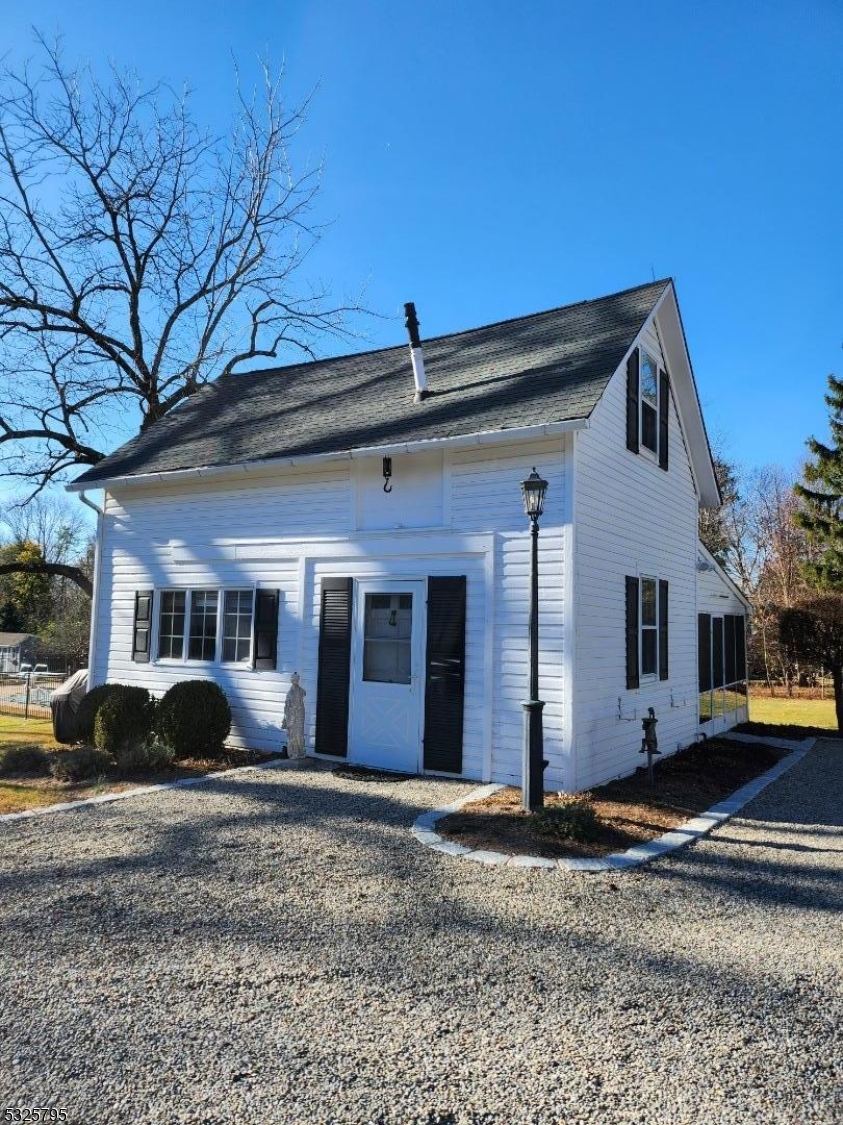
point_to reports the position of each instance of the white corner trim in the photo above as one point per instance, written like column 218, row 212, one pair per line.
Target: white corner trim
column 423, row 828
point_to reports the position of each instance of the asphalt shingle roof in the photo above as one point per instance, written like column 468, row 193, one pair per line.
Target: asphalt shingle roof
column 548, row 367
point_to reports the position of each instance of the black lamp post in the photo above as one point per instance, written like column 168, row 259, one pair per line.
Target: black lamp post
column 533, row 490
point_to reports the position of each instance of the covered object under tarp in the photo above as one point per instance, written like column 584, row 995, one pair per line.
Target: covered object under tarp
column 64, row 703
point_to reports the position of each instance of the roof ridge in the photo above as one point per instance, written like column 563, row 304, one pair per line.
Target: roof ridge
column 310, row 364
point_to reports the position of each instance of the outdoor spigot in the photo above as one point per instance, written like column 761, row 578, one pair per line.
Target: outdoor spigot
column 650, row 743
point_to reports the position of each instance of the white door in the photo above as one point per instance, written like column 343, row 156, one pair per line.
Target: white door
column 387, row 676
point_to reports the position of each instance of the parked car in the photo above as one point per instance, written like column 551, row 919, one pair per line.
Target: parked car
column 26, row 671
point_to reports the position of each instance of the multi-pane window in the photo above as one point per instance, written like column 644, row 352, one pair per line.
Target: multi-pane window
column 649, row 627
column 192, row 624
column 649, row 402
column 203, row 625
column 237, row 625
column 171, row 625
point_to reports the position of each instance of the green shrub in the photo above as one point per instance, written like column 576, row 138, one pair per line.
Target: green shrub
column 87, row 713
column 79, row 765
column 194, row 718
column 124, row 719
column 27, row 761
column 574, row 818
column 145, row 757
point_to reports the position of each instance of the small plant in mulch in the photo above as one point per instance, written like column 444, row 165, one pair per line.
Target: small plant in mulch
column 143, row 757
column 573, row 818
column 80, row 765
column 24, row 761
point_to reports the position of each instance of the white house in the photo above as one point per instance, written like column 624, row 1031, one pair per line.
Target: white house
column 359, row 520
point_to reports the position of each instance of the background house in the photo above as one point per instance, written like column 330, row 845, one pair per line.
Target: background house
column 359, row 520
column 17, row 649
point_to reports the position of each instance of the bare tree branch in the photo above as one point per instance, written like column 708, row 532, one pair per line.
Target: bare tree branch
column 141, row 257
column 59, row 570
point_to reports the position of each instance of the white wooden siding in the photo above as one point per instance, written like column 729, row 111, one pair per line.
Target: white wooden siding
column 285, row 531
column 632, row 518
column 485, row 491
column 714, row 594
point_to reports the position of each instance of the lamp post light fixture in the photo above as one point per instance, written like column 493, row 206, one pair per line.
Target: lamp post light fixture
column 533, row 490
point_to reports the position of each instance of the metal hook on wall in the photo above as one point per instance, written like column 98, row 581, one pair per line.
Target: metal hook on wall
column 387, row 474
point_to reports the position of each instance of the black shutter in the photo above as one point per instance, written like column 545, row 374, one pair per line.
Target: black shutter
column 444, row 692
column 662, row 629
column 142, row 631
column 704, row 651
column 266, row 629
column 632, row 675
column 729, row 626
column 332, row 686
column 717, row 651
column 664, row 418
column 740, row 647
column 632, row 410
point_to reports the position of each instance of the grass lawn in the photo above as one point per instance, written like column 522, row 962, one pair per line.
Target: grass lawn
column 15, row 729
column 793, row 712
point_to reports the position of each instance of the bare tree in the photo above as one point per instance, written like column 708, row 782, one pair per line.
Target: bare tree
column 51, row 521
column 139, row 256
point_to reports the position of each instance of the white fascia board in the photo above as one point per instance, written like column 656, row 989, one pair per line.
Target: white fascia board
column 683, row 384
column 724, row 575
column 460, row 441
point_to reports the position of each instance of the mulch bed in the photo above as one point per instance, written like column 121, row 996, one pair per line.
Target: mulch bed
column 629, row 812
column 785, row 730
column 114, row 782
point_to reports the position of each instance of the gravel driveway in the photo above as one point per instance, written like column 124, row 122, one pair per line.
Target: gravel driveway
column 274, row 947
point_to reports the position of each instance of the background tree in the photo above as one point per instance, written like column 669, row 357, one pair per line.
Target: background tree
column 716, row 525
column 25, row 595
column 821, row 514
column 140, row 257
column 813, row 631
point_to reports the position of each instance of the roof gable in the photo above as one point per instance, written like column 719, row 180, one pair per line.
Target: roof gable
column 537, row 370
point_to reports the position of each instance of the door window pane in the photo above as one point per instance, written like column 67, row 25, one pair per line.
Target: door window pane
column 387, row 634
column 203, row 625
column 171, row 625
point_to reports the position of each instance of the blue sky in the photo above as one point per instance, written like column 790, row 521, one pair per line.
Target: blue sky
column 488, row 159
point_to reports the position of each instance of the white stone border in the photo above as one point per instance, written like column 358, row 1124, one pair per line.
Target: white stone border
column 695, row 829
column 143, row 790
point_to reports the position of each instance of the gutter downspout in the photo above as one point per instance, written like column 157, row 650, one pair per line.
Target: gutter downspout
column 96, row 584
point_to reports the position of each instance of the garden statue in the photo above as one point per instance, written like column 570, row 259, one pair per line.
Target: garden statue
column 294, row 719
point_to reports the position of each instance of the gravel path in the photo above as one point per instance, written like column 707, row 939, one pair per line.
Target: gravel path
column 275, row 948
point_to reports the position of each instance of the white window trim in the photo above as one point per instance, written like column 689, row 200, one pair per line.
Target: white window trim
column 184, row 661
column 651, row 454
column 647, row 677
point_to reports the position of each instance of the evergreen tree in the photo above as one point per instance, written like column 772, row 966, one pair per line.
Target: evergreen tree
column 821, row 514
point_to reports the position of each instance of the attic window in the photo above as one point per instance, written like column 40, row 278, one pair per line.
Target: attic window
column 649, row 402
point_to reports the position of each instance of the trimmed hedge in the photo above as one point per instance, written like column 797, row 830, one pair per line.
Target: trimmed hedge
column 87, row 713
column 124, row 719
column 194, row 718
